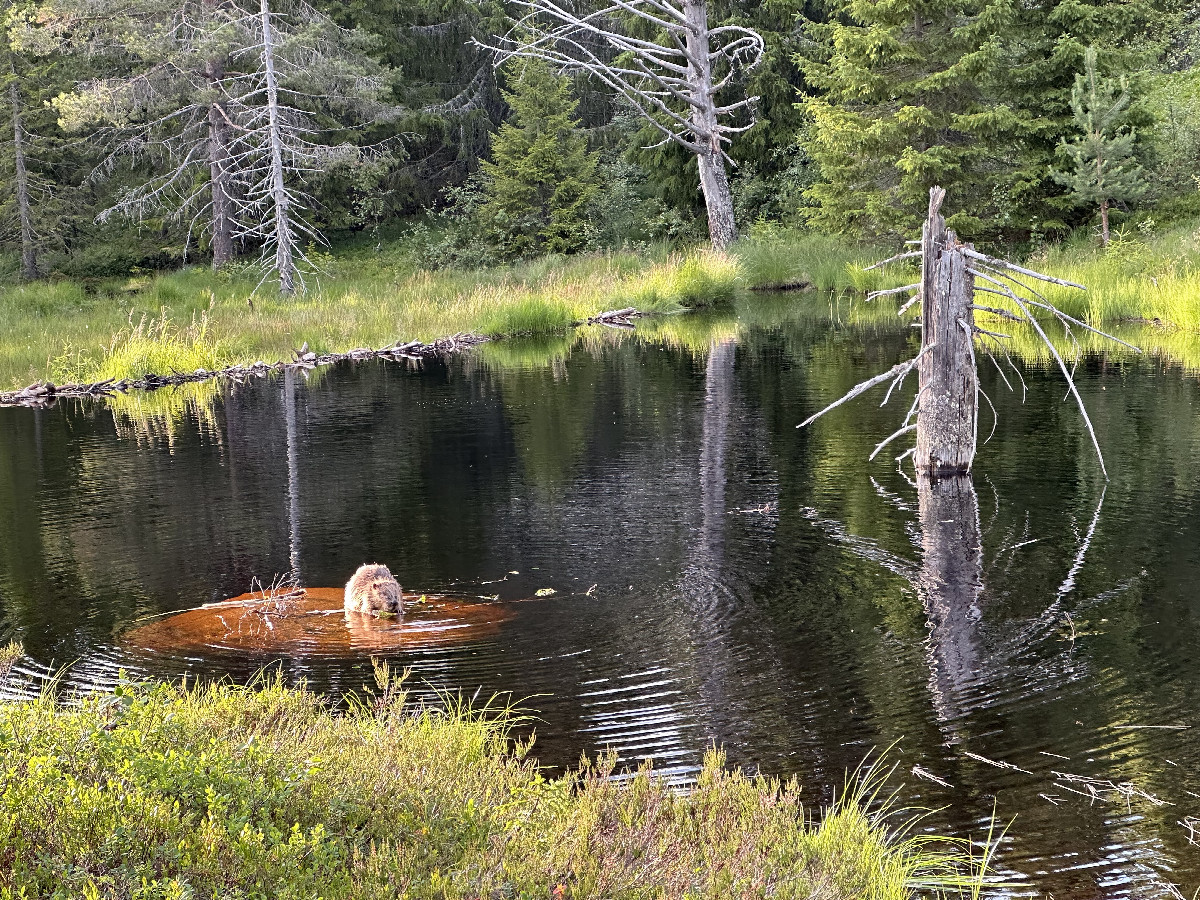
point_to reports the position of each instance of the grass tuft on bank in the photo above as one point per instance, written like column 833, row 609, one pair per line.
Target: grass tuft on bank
column 225, row 791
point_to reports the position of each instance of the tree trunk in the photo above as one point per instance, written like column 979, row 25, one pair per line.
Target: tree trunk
column 285, row 250
column 1104, row 223
column 948, row 400
column 218, row 172
column 714, row 183
column 29, row 269
column 950, row 583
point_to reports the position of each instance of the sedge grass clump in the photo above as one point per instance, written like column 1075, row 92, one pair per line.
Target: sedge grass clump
column 169, row 791
column 697, row 279
column 152, row 346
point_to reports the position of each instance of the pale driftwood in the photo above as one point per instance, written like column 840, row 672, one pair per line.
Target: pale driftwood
column 670, row 81
column 614, row 318
column 894, row 372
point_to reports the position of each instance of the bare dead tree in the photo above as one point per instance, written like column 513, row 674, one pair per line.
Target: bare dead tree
column 683, row 83
column 29, row 268
column 234, row 94
column 945, row 412
column 281, row 234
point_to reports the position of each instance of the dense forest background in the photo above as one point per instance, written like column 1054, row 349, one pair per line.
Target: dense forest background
column 400, row 122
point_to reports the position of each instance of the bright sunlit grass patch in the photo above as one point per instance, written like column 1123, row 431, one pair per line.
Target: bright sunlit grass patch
column 121, row 328
column 149, row 347
column 269, row 791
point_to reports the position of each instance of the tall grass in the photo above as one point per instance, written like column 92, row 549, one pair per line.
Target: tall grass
column 111, row 329
column 775, row 257
column 1139, row 277
column 224, row 791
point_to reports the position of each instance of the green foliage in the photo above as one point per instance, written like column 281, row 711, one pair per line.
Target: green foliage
column 541, row 176
column 1172, row 143
column 622, row 214
column 900, row 106
column 1045, row 48
column 233, row 792
column 1103, row 155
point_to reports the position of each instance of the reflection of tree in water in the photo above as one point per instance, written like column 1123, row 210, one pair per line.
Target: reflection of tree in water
column 293, row 480
column 951, row 582
column 718, row 403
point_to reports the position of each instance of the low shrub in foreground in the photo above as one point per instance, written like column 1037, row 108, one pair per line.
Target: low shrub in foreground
column 234, row 792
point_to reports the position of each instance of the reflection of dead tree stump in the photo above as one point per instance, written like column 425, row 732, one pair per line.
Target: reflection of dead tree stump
column 951, row 581
column 945, row 412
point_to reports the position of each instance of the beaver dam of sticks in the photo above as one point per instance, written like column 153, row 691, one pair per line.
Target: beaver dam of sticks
column 312, row 622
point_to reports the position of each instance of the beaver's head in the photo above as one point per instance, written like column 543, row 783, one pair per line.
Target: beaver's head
column 383, row 595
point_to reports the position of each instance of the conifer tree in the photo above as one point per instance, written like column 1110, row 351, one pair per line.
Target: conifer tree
column 1044, row 48
column 541, row 175
column 901, row 107
column 226, row 103
column 1103, row 156
column 39, row 171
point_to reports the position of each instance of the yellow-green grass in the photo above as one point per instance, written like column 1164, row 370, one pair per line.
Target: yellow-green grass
column 194, row 318
column 197, row 319
column 221, row 791
column 1142, row 277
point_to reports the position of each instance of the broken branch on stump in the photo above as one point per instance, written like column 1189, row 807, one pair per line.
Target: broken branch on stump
column 1005, row 264
column 894, row 372
column 891, row 437
column 1057, row 358
column 996, row 311
column 897, row 290
column 911, row 254
column 1051, row 308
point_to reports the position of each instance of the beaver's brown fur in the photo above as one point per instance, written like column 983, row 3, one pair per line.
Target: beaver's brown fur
column 372, row 589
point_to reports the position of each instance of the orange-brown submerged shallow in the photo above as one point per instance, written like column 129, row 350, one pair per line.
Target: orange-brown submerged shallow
column 313, row 622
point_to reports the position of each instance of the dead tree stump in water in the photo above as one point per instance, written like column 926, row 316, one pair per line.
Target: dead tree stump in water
column 948, row 388
column 945, row 413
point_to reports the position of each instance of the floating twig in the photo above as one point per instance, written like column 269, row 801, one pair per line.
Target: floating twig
column 995, row 762
column 929, row 776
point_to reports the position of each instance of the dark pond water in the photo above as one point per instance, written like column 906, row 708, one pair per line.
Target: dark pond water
column 719, row 576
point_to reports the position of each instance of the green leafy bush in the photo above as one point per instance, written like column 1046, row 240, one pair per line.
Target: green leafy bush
column 237, row 793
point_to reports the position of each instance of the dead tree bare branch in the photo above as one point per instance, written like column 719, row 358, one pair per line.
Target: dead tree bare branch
column 675, row 82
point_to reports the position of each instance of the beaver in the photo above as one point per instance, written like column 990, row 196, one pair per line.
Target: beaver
column 372, row 589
